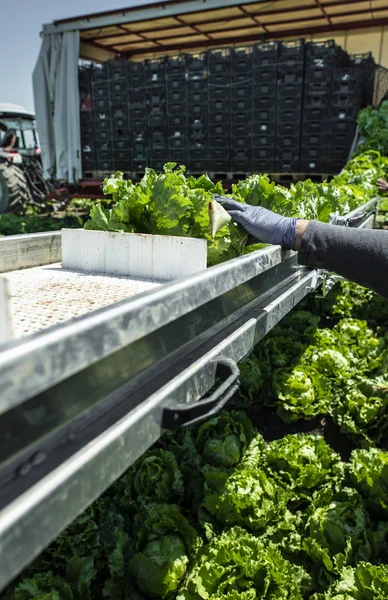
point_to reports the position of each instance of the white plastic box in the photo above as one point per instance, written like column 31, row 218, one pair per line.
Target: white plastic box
column 153, row 257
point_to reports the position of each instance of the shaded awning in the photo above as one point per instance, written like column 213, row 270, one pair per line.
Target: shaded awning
column 187, row 25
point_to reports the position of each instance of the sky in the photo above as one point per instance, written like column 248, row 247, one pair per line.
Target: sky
column 21, row 24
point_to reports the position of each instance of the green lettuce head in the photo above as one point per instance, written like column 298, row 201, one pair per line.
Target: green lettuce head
column 362, row 411
column 166, row 543
column 239, row 566
column 249, row 497
column 363, row 582
column 368, row 473
column 223, row 440
column 338, row 535
column 302, row 393
column 305, row 464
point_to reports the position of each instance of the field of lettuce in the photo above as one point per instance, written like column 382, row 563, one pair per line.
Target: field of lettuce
column 284, row 496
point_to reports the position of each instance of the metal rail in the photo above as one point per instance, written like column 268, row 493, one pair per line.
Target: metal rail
column 80, row 402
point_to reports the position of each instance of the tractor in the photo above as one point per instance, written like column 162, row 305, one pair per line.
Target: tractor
column 21, row 174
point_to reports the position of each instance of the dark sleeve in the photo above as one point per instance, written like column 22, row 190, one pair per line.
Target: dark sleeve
column 360, row 255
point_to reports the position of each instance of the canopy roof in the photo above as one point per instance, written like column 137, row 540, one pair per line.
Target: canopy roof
column 187, row 25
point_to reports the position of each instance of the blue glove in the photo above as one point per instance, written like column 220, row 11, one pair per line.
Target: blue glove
column 262, row 224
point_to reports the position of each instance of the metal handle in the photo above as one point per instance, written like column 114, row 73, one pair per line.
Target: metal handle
column 183, row 415
column 352, row 221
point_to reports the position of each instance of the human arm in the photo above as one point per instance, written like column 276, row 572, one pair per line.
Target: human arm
column 357, row 254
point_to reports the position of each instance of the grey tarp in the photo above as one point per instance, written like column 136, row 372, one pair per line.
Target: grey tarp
column 56, row 96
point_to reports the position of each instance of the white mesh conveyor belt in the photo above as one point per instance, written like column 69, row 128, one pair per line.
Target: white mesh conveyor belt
column 45, row 296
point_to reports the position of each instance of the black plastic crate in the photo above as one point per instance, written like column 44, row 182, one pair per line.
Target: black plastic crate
column 121, row 139
column 289, row 103
column 262, row 165
column 199, row 165
column 315, row 114
column 197, row 150
column 219, row 56
column 119, row 98
column 240, row 157
column 106, row 164
column 242, row 142
column 314, row 127
column 241, row 116
column 263, row 152
column 340, row 113
column 289, row 127
column 196, row 62
column 265, row 74
column 289, row 114
column 334, row 166
column 220, row 165
column 318, row 72
column 197, row 111
column 339, row 152
column 197, row 83
column 219, row 141
column 137, row 110
column 89, row 161
column 176, row 83
column 264, row 115
column 84, row 81
column 220, row 80
column 290, row 75
column 123, row 155
column 265, row 54
column 197, row 96
column 177, row 121
column 177, row 155
column 102, row 120
column 138, row 125
column 241, row 60
column 176, row 108
column 263, row 139
column 103, row 136
column 136, row 75
column 287, row 141
column 157, row 119
column 241, row 92
column 240, row 129
column 117, row 69
column 263, row 128
column 289, row 90
column 219, row 129
column 177, row 141
column 285, row 165
column 312, row 152
column 217, row 152
column 294, row 49
column 174, row 96
column 316, row 88
column 176, row 64
column 344, row 125
column 264, row 103
column 120, row 117
column 100, row 91
column 316, row 100
column 155, row 68
column 219, row 105
column 310, row 165
column 342, row 138
column 241, row 104
column 99, row 74
column 264, row 88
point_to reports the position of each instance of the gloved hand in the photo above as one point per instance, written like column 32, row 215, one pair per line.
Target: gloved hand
column 264, row 225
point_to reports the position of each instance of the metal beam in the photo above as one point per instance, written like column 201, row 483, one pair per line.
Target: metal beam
column 289, row 33
column 156, row 11
column 95, row 53
column 294, row 9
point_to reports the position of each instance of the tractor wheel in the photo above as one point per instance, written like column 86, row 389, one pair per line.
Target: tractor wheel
column 14, row 192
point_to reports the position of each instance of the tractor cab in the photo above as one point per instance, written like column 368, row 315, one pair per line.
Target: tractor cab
column 18, row 135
